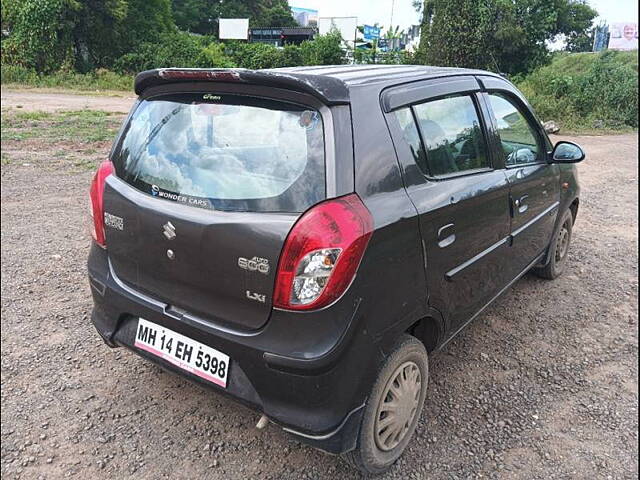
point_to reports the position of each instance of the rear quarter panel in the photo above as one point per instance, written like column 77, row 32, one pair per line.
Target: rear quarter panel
column 392, row 274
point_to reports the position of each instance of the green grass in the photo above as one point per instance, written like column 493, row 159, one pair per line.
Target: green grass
column 83, row 126
column 586, row 93
column 99, row 81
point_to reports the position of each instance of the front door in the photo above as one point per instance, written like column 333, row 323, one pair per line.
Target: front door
column 534, row 183
column 461, row 199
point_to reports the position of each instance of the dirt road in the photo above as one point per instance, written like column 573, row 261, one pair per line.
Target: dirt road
column 51, row 101
column 543, row 385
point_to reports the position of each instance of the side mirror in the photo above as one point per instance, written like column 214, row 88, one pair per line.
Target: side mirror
column 567, row 152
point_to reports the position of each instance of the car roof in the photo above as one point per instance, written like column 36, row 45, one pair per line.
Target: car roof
column 330, row 83
column 353, row 75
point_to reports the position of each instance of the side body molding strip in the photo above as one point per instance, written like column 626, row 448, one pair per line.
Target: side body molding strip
column 453, row 272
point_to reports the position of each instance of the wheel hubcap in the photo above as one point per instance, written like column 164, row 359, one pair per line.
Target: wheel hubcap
column 563, row 244
column 398, row 406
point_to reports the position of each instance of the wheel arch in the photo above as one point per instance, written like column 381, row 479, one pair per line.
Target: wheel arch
column 428, row 329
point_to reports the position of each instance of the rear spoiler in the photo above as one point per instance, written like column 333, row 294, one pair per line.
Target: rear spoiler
column 329, row 90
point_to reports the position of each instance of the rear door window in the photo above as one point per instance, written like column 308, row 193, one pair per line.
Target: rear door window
column 226, row 152
column 452, row 135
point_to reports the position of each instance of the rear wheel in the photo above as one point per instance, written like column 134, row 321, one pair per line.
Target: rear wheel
column 393, row 408
column 559, row 249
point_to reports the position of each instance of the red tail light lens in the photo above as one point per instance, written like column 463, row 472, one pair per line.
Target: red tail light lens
column 322, row 253
column 96, row 194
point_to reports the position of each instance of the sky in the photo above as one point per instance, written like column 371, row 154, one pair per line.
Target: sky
column 616, row 10
column 404, row 15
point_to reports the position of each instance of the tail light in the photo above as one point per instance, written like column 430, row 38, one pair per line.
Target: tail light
column 222, row 75
column 322, row 253
column 96, row 195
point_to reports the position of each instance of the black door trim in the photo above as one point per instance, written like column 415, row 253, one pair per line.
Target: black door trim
column 420, row 92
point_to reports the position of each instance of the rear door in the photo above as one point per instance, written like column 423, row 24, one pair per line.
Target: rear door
column 534, row 183
column 207, row 186
column 460, row 193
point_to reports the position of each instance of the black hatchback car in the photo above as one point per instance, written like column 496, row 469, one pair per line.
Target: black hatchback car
column 301, row 238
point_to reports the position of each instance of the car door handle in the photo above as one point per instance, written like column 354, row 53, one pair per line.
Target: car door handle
column 521, row 203
column 446, row 235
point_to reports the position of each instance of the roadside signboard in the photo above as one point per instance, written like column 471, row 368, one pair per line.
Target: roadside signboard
column 234, row 28
column 600, row 38
column 345, row 25
column 306, row 17
column 371, row 33
column 624, row 36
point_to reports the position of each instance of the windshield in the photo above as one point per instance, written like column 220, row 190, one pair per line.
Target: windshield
column 226, row 152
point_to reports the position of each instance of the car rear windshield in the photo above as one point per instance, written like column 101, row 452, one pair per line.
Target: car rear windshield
column 224, row 152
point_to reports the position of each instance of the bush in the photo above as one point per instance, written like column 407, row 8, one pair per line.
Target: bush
column 100, row 79
column 291, row 56
column 179, row 49
column 586, row 90
column 213, row 56
column 257, row 55
column 17, row 74
column 323, row 50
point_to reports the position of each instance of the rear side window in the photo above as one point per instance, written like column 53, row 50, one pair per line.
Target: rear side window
column 519, row 141
column 225, row 152
column 452, row 135
column 412, row 137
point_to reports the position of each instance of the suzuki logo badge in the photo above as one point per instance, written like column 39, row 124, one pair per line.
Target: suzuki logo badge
column 169, row 231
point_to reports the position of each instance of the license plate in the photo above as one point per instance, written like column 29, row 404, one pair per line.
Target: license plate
column 183, row 352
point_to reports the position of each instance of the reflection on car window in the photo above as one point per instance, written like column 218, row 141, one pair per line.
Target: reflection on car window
column 412, row 137
column 518, row 139
column 225, row 152
column 452, row 135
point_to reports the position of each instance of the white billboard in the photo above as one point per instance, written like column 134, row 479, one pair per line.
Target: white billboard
column 624, row 36
column 306, row 17
column 234, row 28
column 345, row 25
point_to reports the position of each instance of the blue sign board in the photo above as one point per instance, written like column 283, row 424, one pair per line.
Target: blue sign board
column 371, row 33
column 601, row 38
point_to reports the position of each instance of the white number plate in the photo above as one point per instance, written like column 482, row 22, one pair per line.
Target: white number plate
column 192, row 356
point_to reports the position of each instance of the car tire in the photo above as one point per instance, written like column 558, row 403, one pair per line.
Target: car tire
column 401, row 387
column 559, row 249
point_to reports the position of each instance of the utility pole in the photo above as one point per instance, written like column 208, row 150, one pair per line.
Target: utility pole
column 393, row 3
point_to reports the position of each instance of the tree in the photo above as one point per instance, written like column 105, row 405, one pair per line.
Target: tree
column 41, row 33
column 580, row 42
column 198, row 16
column 453, row 33
column 48, row 35
column 278, row 15
column 502, row 35
column 146, row 21
column 95, row 32
column 201, row 16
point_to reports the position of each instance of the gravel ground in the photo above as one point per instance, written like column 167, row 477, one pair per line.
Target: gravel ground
column 47, row 101
column 542, row 385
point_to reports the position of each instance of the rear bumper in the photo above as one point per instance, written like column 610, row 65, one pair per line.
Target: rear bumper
column 304, row 372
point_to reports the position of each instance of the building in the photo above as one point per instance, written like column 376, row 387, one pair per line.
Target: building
column 281, row 36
